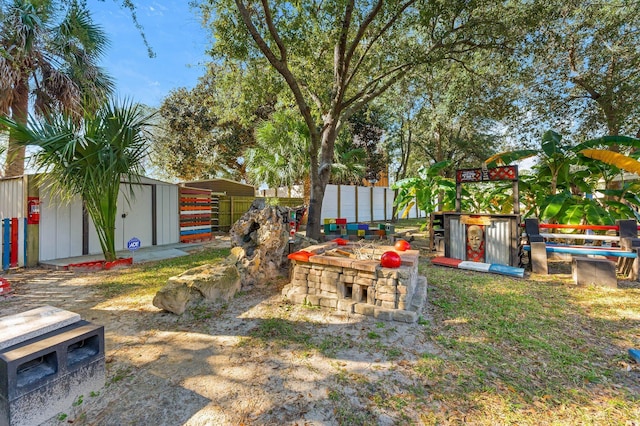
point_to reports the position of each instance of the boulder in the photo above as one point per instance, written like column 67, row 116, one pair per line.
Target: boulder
column 262, row 234
column 215, row 283
column 173, row 297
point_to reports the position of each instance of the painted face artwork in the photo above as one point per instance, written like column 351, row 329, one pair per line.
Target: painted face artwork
column 474, row 236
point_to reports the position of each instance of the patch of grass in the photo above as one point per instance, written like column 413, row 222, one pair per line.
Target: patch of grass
column 331, row 344
column 373, row 335
column 526, row 351
column 120, row 374
column 392, row 353
column 146, row 279
column 280, row 332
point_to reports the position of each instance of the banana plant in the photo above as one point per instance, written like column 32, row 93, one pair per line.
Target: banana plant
column 430, row 190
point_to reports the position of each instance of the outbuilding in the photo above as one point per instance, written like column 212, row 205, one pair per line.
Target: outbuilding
column 39, row 226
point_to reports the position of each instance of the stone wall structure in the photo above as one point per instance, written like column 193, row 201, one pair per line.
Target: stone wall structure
column 359, row 286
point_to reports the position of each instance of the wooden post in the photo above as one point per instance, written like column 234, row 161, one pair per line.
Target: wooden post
column 385, row 204
column 516, row 198
column 339, row 201
column 356, row 196
column 371, row 203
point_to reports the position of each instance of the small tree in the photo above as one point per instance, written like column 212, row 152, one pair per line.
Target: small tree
column 90, row 158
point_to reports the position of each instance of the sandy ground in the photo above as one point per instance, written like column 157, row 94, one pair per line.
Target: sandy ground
column 257, row 360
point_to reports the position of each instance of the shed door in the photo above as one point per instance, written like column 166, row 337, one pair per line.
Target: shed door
column 134, row 218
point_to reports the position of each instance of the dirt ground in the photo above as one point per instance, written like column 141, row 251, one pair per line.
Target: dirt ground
column 256, row 360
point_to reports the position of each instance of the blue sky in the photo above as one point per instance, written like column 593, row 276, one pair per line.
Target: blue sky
column 174, row 33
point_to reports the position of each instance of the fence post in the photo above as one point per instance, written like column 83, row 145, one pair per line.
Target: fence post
column 357, row 202
column 371, row 202
column 14, row 242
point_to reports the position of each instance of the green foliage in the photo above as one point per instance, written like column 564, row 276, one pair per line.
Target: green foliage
column 89, row 158
column 425, row 189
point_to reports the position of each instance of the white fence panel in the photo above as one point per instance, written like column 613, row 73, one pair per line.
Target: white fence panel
column 380, row 194
column 364, row 204
column 330, row 207
column 347, row 202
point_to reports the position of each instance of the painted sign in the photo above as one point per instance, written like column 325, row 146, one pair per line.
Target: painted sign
column 487, row 175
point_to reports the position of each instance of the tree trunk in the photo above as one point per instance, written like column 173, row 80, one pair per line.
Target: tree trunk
column 320, row 176
column 19, row 111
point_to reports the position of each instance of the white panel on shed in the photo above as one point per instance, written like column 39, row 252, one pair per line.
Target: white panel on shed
column 60, row 227
column 168, row 219
column 136, row 223
column 134, row 217
column 12, row 202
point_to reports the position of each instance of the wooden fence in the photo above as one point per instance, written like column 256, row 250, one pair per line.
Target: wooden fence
column 228, row 209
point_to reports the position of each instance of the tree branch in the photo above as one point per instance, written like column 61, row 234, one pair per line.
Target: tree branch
column 273, row 31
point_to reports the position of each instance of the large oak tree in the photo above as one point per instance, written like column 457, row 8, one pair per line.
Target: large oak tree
column 337, row 56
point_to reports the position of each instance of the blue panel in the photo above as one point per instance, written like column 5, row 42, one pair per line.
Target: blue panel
column 6, row 238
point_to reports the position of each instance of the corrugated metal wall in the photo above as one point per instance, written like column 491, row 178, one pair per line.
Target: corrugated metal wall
column 12, row 197
column 498, row 242
column 458, row 239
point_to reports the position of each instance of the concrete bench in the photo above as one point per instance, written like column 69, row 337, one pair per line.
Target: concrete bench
column 591, row 270
column 43, row 375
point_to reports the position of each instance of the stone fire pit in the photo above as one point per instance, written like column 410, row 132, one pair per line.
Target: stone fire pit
column 349, row 278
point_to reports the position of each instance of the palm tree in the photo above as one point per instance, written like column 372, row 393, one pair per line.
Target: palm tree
column 280, row 157
column 89, row 158
column 51, row 59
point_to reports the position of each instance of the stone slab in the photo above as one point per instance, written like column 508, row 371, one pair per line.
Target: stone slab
column 21, row 327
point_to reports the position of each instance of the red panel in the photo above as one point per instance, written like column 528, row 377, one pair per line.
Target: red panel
column 445, row 261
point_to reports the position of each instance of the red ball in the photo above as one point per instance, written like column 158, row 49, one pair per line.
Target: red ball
column 402, row 245
column 390, row 259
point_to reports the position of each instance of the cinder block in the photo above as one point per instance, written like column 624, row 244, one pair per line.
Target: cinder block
column 43, row 376
column 589, row 270
column 19, row 328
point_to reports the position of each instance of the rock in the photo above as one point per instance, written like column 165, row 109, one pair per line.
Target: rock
column 260, row 242
column 173, row 297
column 214, row 282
